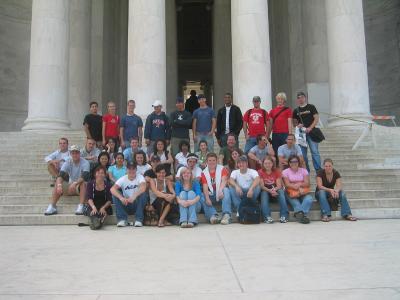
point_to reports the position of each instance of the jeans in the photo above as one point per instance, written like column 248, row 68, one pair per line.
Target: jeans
column 210, row 211
column 304, row 205
column 266, row 211
column 136, row 208
column 188, row 214
column 316, row 158
column 204, row 137
column 244, row 200
column 322, row 196
column 278, row 139
column 250, row 143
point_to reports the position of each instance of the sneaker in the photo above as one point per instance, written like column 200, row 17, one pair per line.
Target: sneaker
column 184, row 225
column 226, row 219
column 79, row 210
column 51, row 210
column 299, row 216
column 214, row 219
column 283, row 220
column 122, row 223
column 269, row 220
column 138, row 224
column 190, row 225
column 305, row 220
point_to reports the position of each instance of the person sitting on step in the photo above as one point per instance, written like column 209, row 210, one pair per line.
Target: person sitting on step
column 259, row 152
column 330, row 193
column 192, row 166
column 56, row 159
column 288, row 149
column 90, row 152
column 74, row 174
column 181, row 157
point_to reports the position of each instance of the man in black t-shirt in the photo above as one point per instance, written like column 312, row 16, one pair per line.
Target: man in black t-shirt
column 93, row 124
column 306, row 116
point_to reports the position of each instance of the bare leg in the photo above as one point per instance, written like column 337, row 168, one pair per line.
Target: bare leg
column 53, row 170
column 164, row 214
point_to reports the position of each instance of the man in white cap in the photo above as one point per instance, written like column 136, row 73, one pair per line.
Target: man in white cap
column 157, row 127
column 71, row 181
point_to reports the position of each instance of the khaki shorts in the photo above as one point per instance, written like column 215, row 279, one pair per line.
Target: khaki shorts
column 65, row 186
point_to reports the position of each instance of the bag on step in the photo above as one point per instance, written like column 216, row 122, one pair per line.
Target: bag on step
column 249, row 215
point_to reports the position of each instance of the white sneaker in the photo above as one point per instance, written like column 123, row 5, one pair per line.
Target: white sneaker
column 226, row 219
column 79, row 210
column 214, row 219
column 122, row 223
column 283, row 220
column 138, row 224
column 51, row 210
column 269, row 220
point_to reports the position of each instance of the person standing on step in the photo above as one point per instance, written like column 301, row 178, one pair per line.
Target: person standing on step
column 306, row 116
column 131, row 126
column 229, row 121
column 255, row 122
column 244, row 185
column 192, row 102
column 56, row 159
column 90, row 152
column 133, row 197
column 110, row 127
column 74, row 174
column 204, row 123
column 92, row 124
column 157, row 127
column 281, row 121
column 214, row 181
column 181, row 122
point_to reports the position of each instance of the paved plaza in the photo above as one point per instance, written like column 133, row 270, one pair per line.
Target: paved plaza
column 341, row 260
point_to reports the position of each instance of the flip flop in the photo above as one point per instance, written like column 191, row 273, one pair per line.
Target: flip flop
column 325, row 219
column 160, row 225
column 350, row 218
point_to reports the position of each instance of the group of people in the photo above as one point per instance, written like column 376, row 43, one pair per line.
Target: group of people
column 164, row 185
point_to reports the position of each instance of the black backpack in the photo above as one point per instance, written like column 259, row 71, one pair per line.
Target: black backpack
column 249, row 215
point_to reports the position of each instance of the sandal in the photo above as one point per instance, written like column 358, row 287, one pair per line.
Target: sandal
column 350, row 218
column 325, row 219
column 161, row 225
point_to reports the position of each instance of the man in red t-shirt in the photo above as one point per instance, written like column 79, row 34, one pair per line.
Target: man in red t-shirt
column 280, row 119
column 111, row 125
column 255, row 122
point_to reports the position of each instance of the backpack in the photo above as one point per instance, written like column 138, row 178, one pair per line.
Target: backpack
column 249, row 215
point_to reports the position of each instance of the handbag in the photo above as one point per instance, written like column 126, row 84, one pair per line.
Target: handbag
column 316, row 135
column 293, row 193
column 150, row 216
column 249, row 215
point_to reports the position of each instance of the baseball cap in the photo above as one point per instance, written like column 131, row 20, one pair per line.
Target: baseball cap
column 157, row 103
column 201, row 96
column 179, row 100
column 243, row 158
column 301, row 93
column 131, row 166
column 74, row 148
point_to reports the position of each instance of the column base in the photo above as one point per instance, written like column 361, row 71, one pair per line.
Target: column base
column 46, row 124
column 351, row 120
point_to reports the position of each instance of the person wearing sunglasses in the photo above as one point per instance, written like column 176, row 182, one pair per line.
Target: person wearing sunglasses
column 297, row 183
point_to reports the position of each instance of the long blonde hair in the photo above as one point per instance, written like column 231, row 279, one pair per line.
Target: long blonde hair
column 183, row 170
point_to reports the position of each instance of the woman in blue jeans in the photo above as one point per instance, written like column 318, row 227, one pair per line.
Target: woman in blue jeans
column 329, row 189
column 297, row 183
column 271, row 187
column 188, row 196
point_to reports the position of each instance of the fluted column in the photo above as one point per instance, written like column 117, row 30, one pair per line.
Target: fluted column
column 348, row 78
column 251, row 66
column 48, row 74
column 146, row 54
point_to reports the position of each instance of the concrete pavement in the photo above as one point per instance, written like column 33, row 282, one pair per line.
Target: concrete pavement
column 359, row 260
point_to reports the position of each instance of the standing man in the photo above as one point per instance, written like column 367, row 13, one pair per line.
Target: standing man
column 229, row 120
column 255, row 122
column 71, row 181
column 157, row 127
column 192, row 102
column 56, row 159
column 92, row 124
column 306, row 116
column 204, row 124
column 111, row 125
column 131, row 126
column 181, row 122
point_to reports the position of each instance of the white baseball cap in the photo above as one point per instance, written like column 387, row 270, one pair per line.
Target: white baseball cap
column 157, row 103
column 74, row 148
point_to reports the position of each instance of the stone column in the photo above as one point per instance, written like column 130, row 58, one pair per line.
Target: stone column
column 222, row 51
column 251, row 67
column 79, row 61
column 48, row 75
column 348, row 78
column 146, row 54
column 172, row 56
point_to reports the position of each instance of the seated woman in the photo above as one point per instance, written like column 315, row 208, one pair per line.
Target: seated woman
column 202, row 154
column 118, row 170
column 98, row 197
column 234, row 159
column 112, row 150
column 141, row 162
column 188, row 196
column 329, row 190
column 272, row 187
column 160, row 149
column 297, row 183
column 102, row 160
column 162, row 196
column 181, row 157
